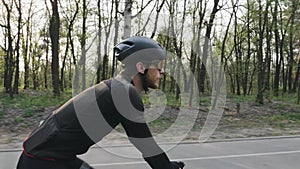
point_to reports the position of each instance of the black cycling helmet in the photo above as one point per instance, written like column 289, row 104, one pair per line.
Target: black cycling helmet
column 135, row 49
column 139, row 49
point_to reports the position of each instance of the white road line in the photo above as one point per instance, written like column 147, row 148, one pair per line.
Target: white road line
column 240, row 155
column 206, row 158
column 113, row 164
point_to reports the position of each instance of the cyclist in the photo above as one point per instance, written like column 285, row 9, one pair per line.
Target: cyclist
column 85, row 119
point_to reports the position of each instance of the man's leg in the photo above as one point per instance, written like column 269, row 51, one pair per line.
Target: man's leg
column 78, row 164
column 85, row 166
column 31, row 163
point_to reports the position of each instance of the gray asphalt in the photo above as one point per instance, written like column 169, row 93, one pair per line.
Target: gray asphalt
column 267, row 153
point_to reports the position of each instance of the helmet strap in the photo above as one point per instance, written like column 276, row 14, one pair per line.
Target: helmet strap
column 144, row 80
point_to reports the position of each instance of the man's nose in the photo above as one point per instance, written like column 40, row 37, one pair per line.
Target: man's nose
column 162, row 71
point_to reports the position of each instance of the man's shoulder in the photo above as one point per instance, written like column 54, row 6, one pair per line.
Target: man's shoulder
column 120, row 87
column 103, row 86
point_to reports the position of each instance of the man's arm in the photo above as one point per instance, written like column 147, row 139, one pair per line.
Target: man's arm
column 139, row 134
column 141, row 137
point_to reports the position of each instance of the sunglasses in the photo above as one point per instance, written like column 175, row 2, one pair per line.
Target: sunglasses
column 159, row 65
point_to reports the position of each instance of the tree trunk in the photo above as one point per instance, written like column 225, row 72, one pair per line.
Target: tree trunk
column 62, row 69
column 298, row 93
column 25, row 45
column 46, row 64
column 283, row 30
column 194, row 49
column 16, row 81
column 298, row 85
column 127, row 18
column 291, row 48
column 252, row 76
column 202, row 11
column 34, row 66
column 202, row 73
column 295, row 86
column 260, row 57
column 260, row 72
column 166, row 43
column 9, row 62
column 82, row 44
column 98, row 79
column 268, row 55
column 156, row 17
column 105, row 71
column 54, row 35
column 173, row 45
column 69, row 44
column 178, row 49
column 116, row 36
column 247, row 61
column 277, row 62
column 237, row 56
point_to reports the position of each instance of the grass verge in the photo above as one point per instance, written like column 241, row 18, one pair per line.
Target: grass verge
column 31, row 101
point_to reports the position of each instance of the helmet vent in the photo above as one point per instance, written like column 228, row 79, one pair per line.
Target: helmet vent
column 128, row 43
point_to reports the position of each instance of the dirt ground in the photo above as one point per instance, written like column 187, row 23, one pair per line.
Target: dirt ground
column 250, row 121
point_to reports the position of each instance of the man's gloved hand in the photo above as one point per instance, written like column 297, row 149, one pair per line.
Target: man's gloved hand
column 177, row 164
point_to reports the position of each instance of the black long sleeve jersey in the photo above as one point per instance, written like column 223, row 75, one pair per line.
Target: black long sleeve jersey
column 86, row 118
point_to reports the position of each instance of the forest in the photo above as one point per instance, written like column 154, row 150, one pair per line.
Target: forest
column 62, row 45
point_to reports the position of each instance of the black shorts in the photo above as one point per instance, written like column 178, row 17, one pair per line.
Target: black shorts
column 33, row 163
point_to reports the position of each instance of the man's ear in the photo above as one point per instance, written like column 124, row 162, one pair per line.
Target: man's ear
column 140, row 67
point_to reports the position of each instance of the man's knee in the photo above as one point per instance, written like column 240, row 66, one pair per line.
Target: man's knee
column 85, row 165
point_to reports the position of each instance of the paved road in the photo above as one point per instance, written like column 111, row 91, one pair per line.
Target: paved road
column 270, row 153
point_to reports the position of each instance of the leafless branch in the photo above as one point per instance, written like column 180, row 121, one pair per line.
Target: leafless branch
column 142, row 9
column 4, row 26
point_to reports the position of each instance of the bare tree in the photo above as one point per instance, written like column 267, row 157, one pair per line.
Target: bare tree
column 260, row 56
column 9, row 62
column 196, row 29
column 54, row 36
column 116, row 35
column 70, row 24
column 99, row 35
column 277, row 61
column 202, row 5
column 268, row 53
column 296, row 82
column 26, row 45
column 291, row 60
column 283, row 30
column 248, row 56
column 237, row 54
column 17, row 62
column 108, row 24
column 35, row 63
column 83, row 45
column 127, row 19
column 205, row 50
column 158, row 9
column 298, row 100
column 179, row 49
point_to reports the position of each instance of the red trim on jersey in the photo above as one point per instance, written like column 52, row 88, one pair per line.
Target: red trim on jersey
column 32, row 156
